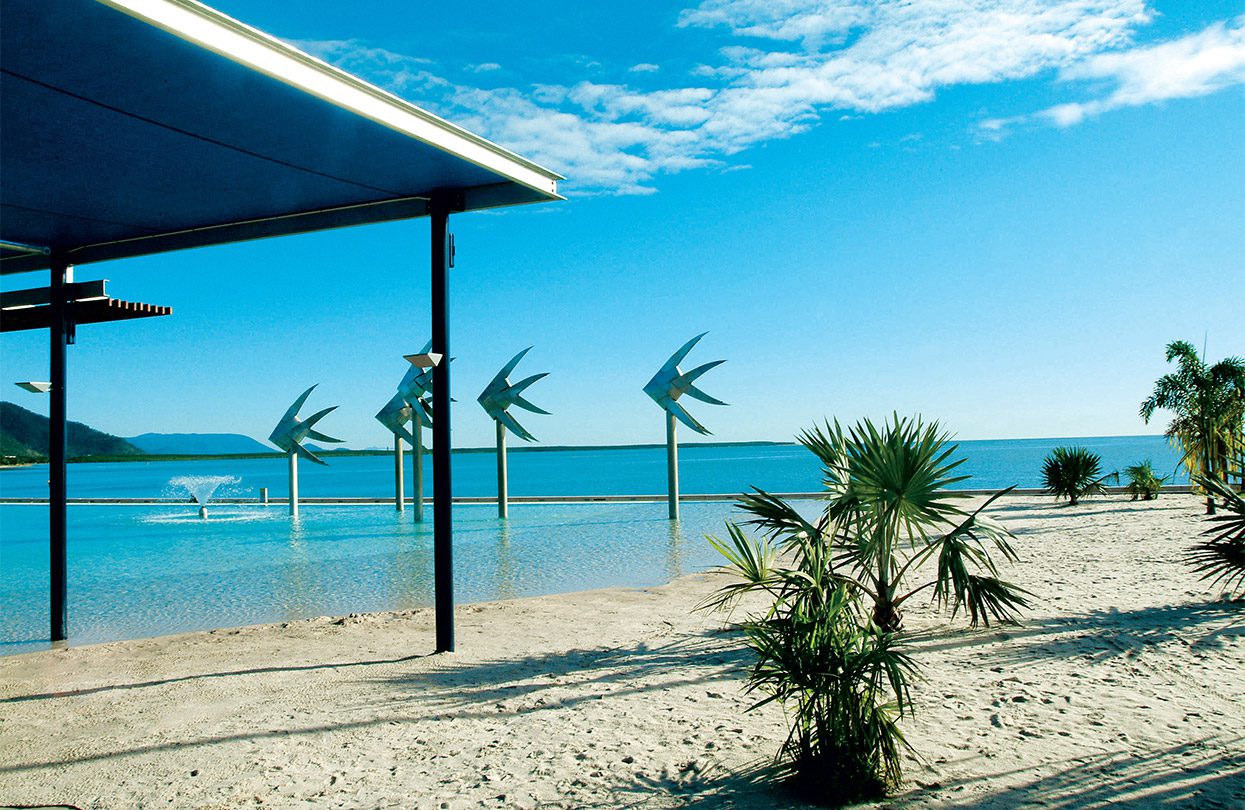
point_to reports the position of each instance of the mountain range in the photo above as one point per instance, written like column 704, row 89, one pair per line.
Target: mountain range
column 24, row 439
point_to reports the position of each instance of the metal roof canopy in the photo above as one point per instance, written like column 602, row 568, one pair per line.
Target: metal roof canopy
column 132, row 127
column 139, row 126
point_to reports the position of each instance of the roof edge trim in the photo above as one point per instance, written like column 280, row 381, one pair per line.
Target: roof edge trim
column 204, row 26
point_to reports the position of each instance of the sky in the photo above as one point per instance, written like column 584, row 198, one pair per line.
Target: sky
column 991, row 214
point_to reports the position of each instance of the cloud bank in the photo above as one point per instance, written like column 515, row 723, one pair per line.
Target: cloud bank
column 785, row 64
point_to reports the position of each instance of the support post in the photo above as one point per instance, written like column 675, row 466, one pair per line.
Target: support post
column 672, row 466
column 61, row 273
column 442, row 511
column 503, row 489
column 417, row 464
column 399, row 494
column 293, row 484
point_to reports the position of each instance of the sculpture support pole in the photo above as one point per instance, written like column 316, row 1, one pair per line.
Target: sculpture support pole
column 503, row 488
column 61, row 273
column 417, row 464
column 293, row 484
column 442, row 511
column 399, row 493
column 672, row 466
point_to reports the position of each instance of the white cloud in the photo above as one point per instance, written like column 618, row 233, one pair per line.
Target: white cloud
column 1194, row 65
column 486, row 67
column 786, row 63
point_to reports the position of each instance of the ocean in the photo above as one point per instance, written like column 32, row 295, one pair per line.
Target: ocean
column 145, row 570
column 992, row 464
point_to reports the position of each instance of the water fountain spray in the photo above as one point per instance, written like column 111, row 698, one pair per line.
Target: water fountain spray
column 499, row 395
column 667, row 385
column 202, row 487
column 290, row 432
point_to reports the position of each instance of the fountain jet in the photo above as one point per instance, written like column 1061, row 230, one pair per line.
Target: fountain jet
column 497, row 397
column 667, row 385
column 202, row 487
column 289, row 434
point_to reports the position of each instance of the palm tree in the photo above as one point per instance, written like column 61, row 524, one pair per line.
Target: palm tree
column 889, row 510
column 842, row 681
column 1222, row 557
column 1074, row 473
column 1142, row 482
column 1209, row 407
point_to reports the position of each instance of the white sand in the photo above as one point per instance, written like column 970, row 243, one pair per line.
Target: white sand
column 1123, row 684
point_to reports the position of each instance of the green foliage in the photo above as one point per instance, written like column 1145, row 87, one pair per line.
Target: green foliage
column 1222, row 557
column 1142, row 482
column 1208, row 407
column 20, row 427
column 1074, row 473
column 827, row 644
column 843, row 681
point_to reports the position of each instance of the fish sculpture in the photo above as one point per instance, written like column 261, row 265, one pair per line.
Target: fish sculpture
column 670, row 383
column 291, row 431
column 416, row 389
column 396, row 415
column 500, row 394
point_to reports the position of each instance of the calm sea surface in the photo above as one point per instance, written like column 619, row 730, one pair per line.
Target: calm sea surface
column 138, row 571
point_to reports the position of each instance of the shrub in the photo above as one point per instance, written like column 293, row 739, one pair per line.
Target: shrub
column 1142, row 482
column 1074, row 473
column 843, row 681
column 827, row 643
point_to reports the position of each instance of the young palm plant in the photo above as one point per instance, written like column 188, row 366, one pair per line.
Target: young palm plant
column 1222, row 557
column 1074, row 473
column 1142, row 481
column 827, row 643
column 842, row 681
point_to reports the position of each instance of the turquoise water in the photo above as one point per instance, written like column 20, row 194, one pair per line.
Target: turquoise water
column 622, row 471
column 137, row 571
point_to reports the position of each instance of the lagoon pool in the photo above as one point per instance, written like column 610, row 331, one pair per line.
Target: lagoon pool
column 138, row 571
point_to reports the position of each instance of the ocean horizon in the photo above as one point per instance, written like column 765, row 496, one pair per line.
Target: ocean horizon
column 535, row 471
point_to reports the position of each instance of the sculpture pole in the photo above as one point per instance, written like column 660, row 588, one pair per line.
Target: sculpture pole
column 667, row 386
column 503, row 490
column 417, row 474
column 399, row 495
column 672, row 467
column 497, row 396
column 289, row 435
column 293, row 483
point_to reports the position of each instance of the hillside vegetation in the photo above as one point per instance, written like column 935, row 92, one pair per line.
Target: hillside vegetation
column 24, row 438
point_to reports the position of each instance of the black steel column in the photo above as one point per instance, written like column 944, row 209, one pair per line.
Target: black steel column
column 442, row 490
column 58, row 567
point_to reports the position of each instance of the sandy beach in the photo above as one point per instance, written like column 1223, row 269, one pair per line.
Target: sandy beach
column 1124, row 684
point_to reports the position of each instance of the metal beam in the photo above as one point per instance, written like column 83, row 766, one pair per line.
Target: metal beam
column 80, row 291
column 57, row 493
column 442, row 488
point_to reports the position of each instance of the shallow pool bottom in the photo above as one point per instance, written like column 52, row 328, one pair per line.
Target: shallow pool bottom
column 140, row 571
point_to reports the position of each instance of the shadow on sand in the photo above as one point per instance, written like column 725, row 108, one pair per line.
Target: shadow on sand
column 1100, row 634
column 1201, row 774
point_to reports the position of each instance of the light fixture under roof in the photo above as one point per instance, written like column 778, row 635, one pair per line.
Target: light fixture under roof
column 423, row 359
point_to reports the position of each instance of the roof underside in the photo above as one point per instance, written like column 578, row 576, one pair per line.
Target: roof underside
column 120, row 136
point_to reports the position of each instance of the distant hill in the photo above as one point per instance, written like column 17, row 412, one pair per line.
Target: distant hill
column 197, row 444
column 24, row 437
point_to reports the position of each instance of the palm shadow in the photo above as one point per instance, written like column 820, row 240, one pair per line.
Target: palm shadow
column 1198, row 774
column 523, row 683
column 1101, row 634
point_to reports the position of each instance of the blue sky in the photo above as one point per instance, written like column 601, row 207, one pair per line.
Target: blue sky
column 995, row 214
